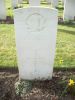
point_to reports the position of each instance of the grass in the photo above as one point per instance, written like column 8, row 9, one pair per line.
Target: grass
column 9, row 9
column 60, row 9
column 65, row 47
column 24, row 4
column 7, row 45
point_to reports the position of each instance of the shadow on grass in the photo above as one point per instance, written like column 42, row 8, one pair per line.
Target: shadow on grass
column 45, row 3
column 15, row 69
column 68, row 24
column 25, row 2
column 67, row 31
column 12, row 69
column 60, row 8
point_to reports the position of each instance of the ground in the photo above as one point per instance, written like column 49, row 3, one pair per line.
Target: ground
column 65, row 42
column 41, row 90
column 65, row 57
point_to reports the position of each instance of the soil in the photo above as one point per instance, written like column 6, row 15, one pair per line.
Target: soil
column 41, row 90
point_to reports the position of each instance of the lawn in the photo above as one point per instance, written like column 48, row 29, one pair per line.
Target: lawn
column 7, row 45
column 65, row 47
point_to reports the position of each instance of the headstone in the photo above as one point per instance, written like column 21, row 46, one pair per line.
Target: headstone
column 2, row 10
column 48, row 1
column 14, row 3
column 69, row 10
column 20, row 1
column 34, row 2
column 36, row 29
column 54, row 3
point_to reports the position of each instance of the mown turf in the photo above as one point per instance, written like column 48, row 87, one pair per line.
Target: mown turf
column 65, row 47
column 7, row 45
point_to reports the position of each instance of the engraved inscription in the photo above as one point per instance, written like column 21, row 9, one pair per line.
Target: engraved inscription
column 35, row 22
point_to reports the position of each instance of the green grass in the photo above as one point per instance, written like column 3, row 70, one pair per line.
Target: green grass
column 9, row 9
column 65, row 47
column 7, row 45
column 60, row 9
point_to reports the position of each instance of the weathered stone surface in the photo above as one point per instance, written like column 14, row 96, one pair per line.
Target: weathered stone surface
column 2, row 10
column 69, row 10
column 35, row 41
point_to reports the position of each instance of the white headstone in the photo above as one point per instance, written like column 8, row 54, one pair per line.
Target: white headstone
column 2, row 9
column 54, row 3
column 34, row 2
column 69, row 10
column 48, row 1
column 36, row 30
column 20, row 1
column 14, row 3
